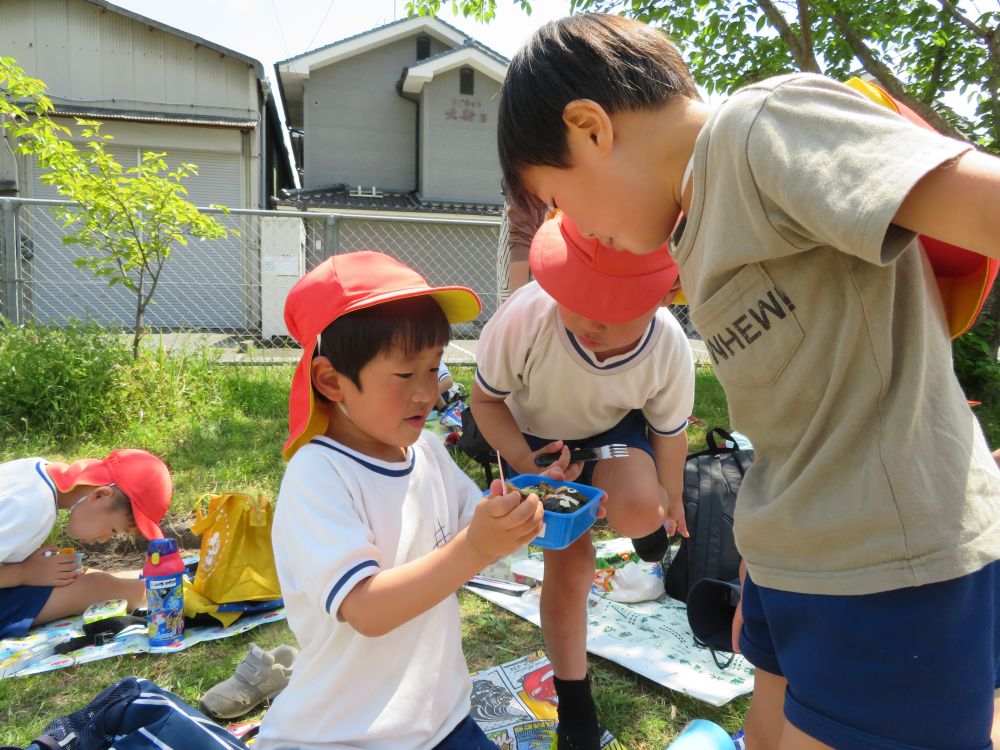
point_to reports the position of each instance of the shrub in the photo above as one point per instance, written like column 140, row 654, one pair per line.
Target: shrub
column 976, row 364
column 80, row 380
column 64, row 381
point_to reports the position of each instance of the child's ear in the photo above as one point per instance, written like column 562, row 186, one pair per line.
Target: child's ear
column 588, row 124
column 326, row 379
column 101, row 492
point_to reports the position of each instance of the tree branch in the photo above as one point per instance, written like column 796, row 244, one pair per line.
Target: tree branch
column 888, row 81
column 968, row 23
column 803, row 58
column 805, row 28
column 934, row 84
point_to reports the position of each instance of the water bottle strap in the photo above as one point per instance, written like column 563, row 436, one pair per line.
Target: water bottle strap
column 99, row 632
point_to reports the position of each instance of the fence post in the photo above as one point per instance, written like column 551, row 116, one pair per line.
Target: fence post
column 331, row 236
column 10, row 254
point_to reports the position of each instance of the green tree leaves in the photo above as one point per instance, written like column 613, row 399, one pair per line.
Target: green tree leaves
column 917, row 50
column 130, row 220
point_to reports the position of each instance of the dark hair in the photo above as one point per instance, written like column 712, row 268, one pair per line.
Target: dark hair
column 353, row 340
column 621, row 64
column 121, row 502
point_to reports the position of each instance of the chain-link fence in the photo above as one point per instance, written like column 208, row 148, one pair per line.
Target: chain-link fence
column 235, row 285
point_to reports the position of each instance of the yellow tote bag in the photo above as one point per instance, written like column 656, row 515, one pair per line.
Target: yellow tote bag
column 237, row 560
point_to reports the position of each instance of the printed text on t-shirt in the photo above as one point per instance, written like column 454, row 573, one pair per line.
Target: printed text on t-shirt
column 749, row 326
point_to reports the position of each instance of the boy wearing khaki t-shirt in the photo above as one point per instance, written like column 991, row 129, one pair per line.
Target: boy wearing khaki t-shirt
column 874, row 504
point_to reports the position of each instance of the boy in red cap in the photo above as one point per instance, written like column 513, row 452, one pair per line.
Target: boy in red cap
column 585, row 356
column 128, row 491
column 870, row 521
column 376, row 527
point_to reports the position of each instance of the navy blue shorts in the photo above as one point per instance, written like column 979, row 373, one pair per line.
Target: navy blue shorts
column 19, row 606
column 631, row 431
column 911, row 668
column 466, row 736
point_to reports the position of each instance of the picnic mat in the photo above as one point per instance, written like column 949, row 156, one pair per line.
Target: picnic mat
column 514, row 704
column 130, row 641
column 651, row 638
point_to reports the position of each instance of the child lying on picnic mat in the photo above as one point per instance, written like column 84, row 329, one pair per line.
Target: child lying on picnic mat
column 128, row 491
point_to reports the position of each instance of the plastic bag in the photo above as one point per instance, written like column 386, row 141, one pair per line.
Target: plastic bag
column 237, row 561
column 622, row 577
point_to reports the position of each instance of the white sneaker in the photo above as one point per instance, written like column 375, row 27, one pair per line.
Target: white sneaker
column 258, row 678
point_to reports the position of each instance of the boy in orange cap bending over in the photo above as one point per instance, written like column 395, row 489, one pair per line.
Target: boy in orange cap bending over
column 376, row 527
column 128, row 491
column 586, row 356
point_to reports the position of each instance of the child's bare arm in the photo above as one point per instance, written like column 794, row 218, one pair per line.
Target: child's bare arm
column 501, row 431
column 383, row 602
column 670, row 453
column 39, row 569
column 959, row 202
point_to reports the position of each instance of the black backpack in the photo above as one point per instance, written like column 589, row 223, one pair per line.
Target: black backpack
column 712, row 479
column 474, row 445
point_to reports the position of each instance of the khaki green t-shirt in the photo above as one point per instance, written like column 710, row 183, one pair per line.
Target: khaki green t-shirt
column 827, row 332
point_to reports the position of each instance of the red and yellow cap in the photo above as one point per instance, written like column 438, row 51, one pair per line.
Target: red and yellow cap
column 143, row 477
column 343, row 284
column 594, row 280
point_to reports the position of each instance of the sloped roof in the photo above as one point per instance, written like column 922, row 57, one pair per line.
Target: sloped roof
column 137, row 115
column 470, row 42
column 254, row 63
column 293, row 72
column 303, row 63
column 471, row 53
column 400, row 22
column 340, row 196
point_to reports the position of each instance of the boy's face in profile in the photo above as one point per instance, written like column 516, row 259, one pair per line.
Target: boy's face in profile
column 612, row 189
column 99, row 518
column 398, row 391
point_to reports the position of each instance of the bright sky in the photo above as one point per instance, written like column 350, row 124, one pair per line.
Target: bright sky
column 271, row 30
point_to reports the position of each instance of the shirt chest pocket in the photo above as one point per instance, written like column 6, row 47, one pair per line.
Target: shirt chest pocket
column 749, row 328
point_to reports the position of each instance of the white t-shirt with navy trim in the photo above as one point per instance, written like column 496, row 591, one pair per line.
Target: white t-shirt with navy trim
column 342, row 516
column 27, row 507
column 557, row 389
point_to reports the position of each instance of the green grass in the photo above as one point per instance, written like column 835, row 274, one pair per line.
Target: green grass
column 220, row 428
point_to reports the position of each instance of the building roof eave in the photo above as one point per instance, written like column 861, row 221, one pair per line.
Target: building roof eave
column 339, row 197
column 417, row 76
column 166, row 118
column 257, row 66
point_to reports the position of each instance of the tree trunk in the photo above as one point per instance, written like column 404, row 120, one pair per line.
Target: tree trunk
column 800, row 48
column 139, row 307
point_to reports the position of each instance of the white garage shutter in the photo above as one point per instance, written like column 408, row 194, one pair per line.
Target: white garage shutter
column 204, row 284
column 207, row 284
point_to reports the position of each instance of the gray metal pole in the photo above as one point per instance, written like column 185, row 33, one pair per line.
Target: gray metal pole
column 331, row 236
column 11, row 253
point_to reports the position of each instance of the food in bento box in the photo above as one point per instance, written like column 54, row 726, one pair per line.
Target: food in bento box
column 560, row 499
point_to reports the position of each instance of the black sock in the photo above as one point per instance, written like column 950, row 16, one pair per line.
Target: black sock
column 578, row 728
column 652, row 547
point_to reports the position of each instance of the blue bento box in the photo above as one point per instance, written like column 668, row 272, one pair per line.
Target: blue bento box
column 559, row 530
